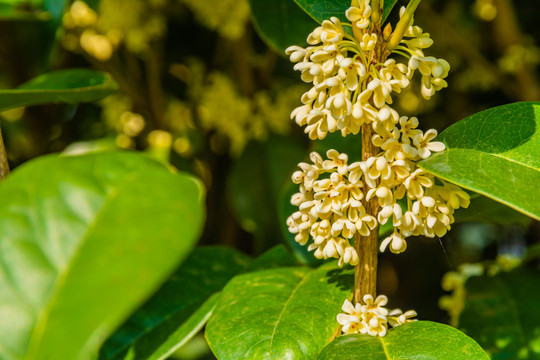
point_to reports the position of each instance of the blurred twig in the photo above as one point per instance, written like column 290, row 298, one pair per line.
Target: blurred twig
column 4, row 166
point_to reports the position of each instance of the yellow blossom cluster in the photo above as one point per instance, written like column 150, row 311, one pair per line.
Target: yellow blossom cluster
column 353, row 83
column 371, row 317
column 227, row 17
column 237, row 118
column 135, row 23
column 330, row 206
column 349, row 87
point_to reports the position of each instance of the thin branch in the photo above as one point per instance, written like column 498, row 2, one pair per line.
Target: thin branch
column 4, row 165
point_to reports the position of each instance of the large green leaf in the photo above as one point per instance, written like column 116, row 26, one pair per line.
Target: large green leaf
column 281, row 23
column 276, row 257
column 495, row 153
column 416, row 340
column 169, row 318
column 287, row 313
column 84, row 241
column 324, row 10
column 64, row 86
column 502, row 314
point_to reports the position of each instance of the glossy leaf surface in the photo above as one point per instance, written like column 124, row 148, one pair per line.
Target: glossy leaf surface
column 285, row 313
column 416, row 340
column 64, row 86
column 84, row 241
column 281, row 23
column 180, row 307
column 502, row 314
column 496, row 153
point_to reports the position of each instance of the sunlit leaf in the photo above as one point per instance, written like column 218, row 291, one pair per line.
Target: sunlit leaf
column 179, row 309
column 84, row 240
column 496, row 153
column 286, row 313
column 416, row 340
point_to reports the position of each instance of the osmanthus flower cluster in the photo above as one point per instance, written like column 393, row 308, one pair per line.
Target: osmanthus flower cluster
column 353, row 84
column 371, row 317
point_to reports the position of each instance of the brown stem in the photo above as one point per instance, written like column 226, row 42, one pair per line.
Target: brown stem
column 4, row 166
column 365, row 275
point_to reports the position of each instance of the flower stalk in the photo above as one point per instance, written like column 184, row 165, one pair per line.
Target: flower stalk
column 402, row 25
column 376, row 6
column 365, row 274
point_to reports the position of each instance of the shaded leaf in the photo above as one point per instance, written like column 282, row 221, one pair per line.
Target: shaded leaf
column 502, row 313
column 64, row 86
column 324, row 10
column 485, row 210
column 388, row 6
column 255, row 183
column 415, row 340
column 84, row 241
column 496, row 153
column 276, row 257
column 281, row 23
column 179, row 309
column 286, row 313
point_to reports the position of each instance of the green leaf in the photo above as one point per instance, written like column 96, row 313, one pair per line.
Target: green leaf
column 255, row 183
column 281, row 23
column 415, row 340
column 20, row 11
column 286, row 313
column 324, row 10
column 85, row 239
column 485, row 210
column 276, row 257
column 169, row 319
column 502, row 314
column 64, row 86
column 496, row 153
column 388, row 6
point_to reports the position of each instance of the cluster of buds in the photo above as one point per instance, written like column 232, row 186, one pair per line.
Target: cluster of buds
column 330, row 206
column 353, row 82
column 372, row 317
column 351, row 86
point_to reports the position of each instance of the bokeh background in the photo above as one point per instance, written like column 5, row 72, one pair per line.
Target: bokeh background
column 201, row 90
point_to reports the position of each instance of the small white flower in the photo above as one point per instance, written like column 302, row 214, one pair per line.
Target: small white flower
column 397, row 317
column 360, row 16
column 424, row 144
column 395, row 242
